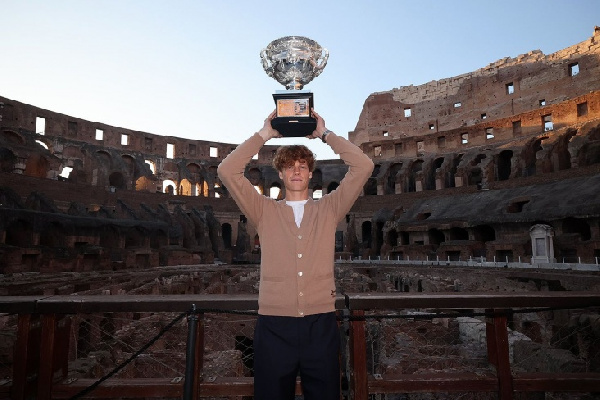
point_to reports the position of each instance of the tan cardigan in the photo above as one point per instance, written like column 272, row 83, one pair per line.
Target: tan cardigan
column 296, row 273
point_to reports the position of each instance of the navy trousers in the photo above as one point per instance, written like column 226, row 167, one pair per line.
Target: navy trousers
column 285, row 347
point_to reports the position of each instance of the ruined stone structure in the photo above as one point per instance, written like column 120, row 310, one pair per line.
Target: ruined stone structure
column 465, row 167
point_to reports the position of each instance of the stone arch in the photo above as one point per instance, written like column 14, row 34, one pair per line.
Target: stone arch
column 185, row 188
column 213, row 179
column 370, row 187
column 169, row 186
column 436, row 237
column 451, row 174
column 255, row 176
column 104, row 159
column 457, row 233
column 195, row 170
column 504, row 165
column 158, row 239
column 12, row 137
column 151, row 166
column 404, row 238
column 130, row 164
column 577, row 226
column 367, row 237
column 392, row 237
column 530, row 156
column 589, row 153
column 46, row 144
column 475, row 176
column 390, row 183
column 560, row 156
column 8, row 160
column 484, row 233
column 117, row 179
column 37, row 165
column 226, row 234
column 415, row 169
column 196, row 177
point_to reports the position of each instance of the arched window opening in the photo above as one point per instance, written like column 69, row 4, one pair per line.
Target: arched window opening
column 459, row 234
column 185, row 188
column 577, row 226
column 484, row 233
column 169, row 187
column 117, row 180
column 366, row 234
column 436, row 237
column 151, row 165
column 392, row 238
column 504, row 164
column 226, row 232
column 332, row 186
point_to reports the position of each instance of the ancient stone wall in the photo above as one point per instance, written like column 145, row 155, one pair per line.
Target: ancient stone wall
column 508, row 87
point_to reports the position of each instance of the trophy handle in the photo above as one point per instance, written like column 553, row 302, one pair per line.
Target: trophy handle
column 265, row 63
column 319, row 67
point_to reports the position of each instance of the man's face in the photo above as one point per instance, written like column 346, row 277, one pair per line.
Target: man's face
column 296, row 177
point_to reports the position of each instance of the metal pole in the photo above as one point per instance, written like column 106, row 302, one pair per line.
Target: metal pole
column 189, row 354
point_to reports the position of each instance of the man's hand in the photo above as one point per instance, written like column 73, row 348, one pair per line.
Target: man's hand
column 267, row 132
column 318, row 132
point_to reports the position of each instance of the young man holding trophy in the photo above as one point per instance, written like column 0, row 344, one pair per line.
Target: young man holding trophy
column 296, row 330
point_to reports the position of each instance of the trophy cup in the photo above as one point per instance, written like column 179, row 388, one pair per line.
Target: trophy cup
column 294, row 61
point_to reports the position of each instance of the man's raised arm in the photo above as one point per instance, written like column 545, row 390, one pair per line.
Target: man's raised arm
column 231, row 170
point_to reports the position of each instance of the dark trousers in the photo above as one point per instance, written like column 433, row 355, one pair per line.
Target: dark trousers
column 287, row 346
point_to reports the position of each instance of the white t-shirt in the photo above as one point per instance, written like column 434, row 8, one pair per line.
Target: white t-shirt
column 298, row 207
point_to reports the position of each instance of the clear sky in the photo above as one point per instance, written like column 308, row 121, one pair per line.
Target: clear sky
column 192, row 68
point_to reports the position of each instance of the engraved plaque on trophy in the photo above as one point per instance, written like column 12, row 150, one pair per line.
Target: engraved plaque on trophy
column 294, row 61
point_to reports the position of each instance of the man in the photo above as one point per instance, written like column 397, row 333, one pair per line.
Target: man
column 296, row 330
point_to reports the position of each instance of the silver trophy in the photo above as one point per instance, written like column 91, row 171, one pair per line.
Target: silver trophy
column 294, row 61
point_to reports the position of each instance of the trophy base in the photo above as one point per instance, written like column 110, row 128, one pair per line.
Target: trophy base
column 294, row 127
column 293, row 113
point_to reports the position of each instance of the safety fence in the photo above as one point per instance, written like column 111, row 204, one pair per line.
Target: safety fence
column 394, row 346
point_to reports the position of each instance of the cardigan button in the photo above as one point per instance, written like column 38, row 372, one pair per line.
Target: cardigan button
column 300, row 273
column 300, row 237
column 299, row 255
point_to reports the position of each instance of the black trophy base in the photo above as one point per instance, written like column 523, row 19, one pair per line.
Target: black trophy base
column 293, row 113
column 294, row 127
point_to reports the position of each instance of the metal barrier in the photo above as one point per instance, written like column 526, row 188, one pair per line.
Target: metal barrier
column 395, row 345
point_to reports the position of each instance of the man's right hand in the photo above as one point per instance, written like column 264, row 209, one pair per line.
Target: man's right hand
column 267, row 132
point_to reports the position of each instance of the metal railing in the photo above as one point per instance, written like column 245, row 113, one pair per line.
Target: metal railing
column 461, row 345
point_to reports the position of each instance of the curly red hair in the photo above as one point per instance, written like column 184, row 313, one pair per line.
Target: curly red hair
column 288, row 155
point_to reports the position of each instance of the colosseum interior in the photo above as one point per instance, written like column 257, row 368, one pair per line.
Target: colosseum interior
column 499, row 165
column 472, row 166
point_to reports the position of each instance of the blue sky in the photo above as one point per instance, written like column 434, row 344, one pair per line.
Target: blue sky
column 192, row 68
